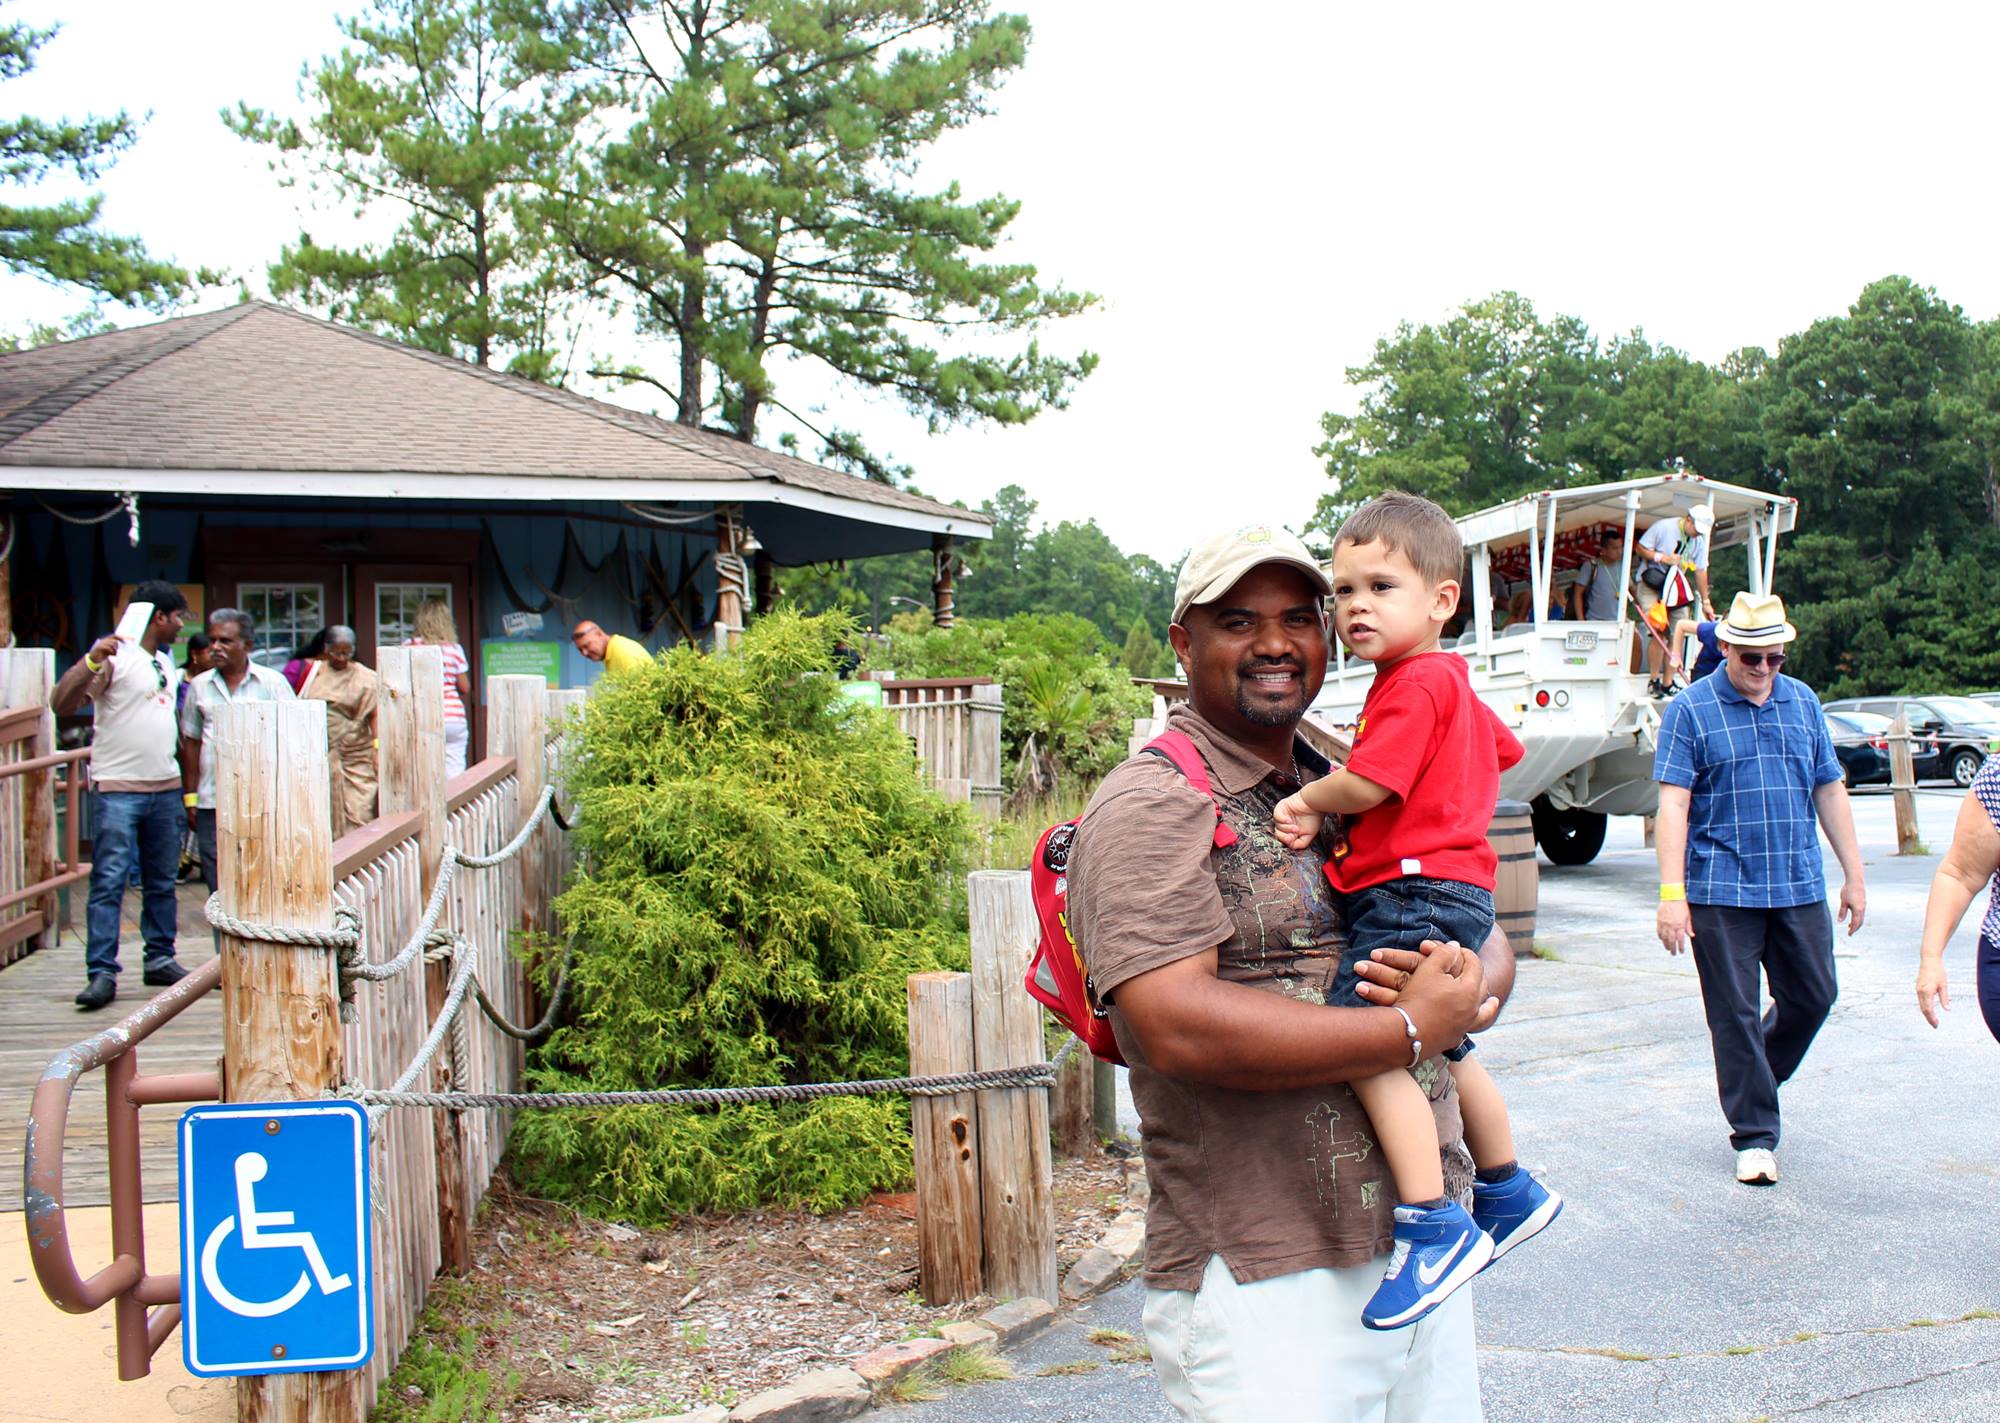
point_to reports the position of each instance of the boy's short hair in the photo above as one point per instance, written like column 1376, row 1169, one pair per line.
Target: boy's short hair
column 1413, row 526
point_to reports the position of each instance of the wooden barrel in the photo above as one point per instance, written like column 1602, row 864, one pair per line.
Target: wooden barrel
column 1518, row 886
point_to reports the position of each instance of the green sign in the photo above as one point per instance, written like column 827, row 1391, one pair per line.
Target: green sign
column 500, row 657
column 866, row 692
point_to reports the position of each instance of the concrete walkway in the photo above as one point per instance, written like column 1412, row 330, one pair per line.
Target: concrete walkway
column 1864, row 1286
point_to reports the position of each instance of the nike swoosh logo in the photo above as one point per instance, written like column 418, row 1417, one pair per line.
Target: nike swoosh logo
column 1427, row 1277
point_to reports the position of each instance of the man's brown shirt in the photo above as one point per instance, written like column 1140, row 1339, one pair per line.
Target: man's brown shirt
column 1275, row 1182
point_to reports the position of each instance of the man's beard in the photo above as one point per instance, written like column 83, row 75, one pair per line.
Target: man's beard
column 1286, row 714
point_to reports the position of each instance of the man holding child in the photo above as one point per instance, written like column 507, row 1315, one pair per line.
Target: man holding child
column 1273, row 1214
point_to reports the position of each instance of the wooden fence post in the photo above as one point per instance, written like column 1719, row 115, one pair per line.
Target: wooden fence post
column 1017, row 1196
column 281, row 1035
column 945, row 1135
column 1903, row 786
column 409, row 724
column 27, row 676
column 983, row 755
column 1070, row 1103
column 1104, row 1099
column 517, row 726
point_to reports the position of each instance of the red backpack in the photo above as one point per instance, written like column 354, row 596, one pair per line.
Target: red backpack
column 1057, row 978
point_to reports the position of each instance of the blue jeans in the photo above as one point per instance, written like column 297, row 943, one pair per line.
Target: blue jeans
column 1401, row 914
column 128, row 828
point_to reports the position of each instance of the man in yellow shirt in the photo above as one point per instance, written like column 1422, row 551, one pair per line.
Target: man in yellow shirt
column 618, row 653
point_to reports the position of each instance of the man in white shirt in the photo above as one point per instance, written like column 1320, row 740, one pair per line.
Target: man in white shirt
column 232, row 677
column 1662, row 562
column 135, row 789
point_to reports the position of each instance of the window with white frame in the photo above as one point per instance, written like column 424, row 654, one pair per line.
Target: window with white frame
column 396, row 607
column 287, row 616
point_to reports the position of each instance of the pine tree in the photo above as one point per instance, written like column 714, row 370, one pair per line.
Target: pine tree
column 62, row 242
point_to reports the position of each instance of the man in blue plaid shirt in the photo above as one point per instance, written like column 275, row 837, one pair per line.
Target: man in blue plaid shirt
column 1745, row 766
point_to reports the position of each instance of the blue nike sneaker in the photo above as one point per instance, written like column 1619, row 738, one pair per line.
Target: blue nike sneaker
column 1514, row 1210
column 1437, row 1250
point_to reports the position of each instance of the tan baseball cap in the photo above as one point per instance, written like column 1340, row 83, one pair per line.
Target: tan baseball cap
column 1220, row 560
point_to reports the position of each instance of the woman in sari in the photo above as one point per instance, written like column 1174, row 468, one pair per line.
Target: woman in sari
column 348, row 689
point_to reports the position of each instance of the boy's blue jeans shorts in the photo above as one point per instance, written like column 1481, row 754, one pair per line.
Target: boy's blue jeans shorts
column 1401, row 914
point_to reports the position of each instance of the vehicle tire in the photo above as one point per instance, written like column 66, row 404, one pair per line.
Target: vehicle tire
column 1964, row 766
column 1568, row 837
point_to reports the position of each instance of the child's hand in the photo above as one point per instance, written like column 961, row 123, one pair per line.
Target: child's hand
column 1296, row 822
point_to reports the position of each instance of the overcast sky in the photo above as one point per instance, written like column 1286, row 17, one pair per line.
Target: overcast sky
column 1258, row 203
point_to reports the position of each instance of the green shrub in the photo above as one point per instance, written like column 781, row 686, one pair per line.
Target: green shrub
column 1064, row 684
column 761, row 870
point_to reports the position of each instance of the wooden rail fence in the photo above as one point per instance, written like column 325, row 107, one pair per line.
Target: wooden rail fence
column 34, row 776
column 279, row 864
column 955, row 723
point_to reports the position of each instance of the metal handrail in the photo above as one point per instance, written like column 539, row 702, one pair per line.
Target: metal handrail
column 124, row 1282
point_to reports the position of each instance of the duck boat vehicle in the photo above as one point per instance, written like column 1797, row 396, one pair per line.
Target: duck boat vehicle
column 1574, row 692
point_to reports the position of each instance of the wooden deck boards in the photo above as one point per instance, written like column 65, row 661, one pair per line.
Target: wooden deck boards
column 38, row 1020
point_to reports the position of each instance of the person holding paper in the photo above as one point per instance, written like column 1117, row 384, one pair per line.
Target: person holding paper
column 130, row 679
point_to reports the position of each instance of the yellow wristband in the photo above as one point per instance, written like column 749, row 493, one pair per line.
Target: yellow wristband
column 1670, row 892
column 190, row 798
column 94, row 667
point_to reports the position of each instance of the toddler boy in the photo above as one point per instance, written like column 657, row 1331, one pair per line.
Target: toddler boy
column 1411, row 862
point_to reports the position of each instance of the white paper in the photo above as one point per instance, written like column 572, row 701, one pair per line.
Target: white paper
column 132, row 626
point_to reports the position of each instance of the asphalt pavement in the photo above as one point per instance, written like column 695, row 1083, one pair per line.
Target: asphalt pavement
column 1862, row 1287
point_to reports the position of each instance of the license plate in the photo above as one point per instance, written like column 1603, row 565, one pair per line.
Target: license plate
column 1582, row 640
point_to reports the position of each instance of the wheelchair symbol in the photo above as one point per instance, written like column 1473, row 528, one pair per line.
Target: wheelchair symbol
column 258, row 1234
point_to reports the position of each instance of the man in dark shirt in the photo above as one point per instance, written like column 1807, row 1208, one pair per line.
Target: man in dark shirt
column 1271, row 1213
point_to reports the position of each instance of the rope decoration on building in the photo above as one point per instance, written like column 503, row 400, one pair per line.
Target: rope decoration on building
column 435, row 944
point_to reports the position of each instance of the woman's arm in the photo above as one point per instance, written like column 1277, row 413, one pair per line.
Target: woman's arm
column 1968, row 864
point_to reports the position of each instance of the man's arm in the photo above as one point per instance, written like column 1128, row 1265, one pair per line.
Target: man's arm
column 83, row 681
column 1200, row 1028
column 1670, row 834
column 1836, row 817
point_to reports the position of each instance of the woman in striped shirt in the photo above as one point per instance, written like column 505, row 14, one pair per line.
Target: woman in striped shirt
column 434, row 628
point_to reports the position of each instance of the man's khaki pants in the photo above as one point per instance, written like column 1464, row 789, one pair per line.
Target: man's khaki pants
column 1294, row 1349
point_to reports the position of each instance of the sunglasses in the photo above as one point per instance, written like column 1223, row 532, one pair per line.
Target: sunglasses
column 1754, row 660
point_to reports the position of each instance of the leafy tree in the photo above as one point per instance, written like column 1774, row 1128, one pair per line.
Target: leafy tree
column 761, row 871
column 758, row 207
column 448, row 112
column 1142, row 651
column 1468, row 412
column 1045, row 662
column 1866, row 426
column 62, row 242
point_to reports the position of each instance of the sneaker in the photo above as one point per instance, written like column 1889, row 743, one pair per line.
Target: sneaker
column 1757, row 1166
column 164, row 974
column 102, row 988
column 1514, row 1210
column 1437, row 1250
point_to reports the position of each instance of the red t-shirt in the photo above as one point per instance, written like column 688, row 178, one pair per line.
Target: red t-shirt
column 1440, row 751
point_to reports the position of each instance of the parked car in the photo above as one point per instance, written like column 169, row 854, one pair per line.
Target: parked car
column 1860, row 741
column 1957, row 732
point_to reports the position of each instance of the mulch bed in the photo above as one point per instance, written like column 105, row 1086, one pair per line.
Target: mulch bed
column 577, row 1318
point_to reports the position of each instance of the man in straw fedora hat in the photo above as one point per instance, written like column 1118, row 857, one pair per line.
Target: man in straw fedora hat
column 1745, row 765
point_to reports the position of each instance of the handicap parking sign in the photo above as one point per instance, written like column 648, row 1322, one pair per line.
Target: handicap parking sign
column 274, row 1238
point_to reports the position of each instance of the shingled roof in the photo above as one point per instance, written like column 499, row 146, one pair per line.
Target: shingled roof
column 262, row 399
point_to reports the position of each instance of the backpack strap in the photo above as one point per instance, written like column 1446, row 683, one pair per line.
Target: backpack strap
column 1177, row 750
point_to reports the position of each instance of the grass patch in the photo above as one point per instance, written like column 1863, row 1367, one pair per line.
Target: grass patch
column 1007, row 843
column 919, row 1385
column 1109, row 1336
column 1804, row 1336
column 1540, row 950
column 1075, row 1366
column 1971, row 1315
column 438, row 1379
column 1923, row 1324
column 1133, row 1354
column 1738, row 1350
column 973, row 1366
